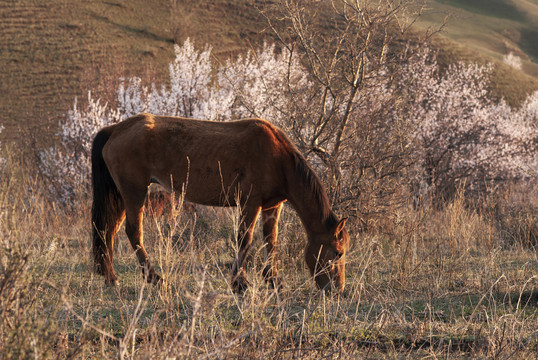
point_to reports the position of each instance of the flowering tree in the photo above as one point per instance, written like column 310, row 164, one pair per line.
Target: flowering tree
column 463, row 138
column 249, row 86
column 67, row 166
column 193, row 91
column 257, row 85
column 266, row 84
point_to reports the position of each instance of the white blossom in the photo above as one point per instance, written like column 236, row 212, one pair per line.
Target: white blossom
column 455, row 131
column 462, row 134
column 512, row 60
column 67, row 166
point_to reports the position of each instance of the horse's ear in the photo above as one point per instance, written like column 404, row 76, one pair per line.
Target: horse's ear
column 340, row 226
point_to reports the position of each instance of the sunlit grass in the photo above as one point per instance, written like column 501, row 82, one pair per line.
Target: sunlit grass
column 438, row 283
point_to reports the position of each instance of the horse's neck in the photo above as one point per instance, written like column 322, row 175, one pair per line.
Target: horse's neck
column 312, row 212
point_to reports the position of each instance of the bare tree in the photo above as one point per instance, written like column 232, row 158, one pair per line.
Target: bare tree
column 352, row 50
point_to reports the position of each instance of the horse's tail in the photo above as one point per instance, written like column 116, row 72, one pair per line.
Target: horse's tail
column 107, row 207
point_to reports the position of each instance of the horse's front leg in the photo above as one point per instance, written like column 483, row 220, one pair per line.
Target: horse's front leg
column 270, row 235
column 244, row 240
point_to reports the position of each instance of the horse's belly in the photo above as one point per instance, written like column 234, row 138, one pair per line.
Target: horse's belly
column 210, row 195
column 206, row 190
column 208, row 181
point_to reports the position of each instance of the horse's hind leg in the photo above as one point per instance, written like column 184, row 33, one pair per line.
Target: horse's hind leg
column 107, row 217
column 134, row 209
column 270, row 236
column 244, row 240
column 107, row 260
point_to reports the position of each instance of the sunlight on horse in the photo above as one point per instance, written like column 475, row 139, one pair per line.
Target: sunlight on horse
column 247, row 163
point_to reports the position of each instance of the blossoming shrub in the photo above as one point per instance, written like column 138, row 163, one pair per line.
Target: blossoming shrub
column 462, row 137
column 513, row 60
column 67, row 166
column 409, row 125
column 267, row 84
column 250, row 86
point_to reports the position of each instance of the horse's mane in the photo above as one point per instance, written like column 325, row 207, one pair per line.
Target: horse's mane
column 310, row 180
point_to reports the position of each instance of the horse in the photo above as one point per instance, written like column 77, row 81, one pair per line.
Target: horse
column 248, row 163
column 159, row 203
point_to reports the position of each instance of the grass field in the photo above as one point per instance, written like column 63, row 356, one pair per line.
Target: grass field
column 448, row 283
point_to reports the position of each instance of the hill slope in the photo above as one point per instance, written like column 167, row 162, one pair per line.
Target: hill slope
column 53, row 51
column 494, row 28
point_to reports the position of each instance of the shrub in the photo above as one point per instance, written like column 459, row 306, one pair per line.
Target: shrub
column 462, row 137
column 67, row 166
column 408, row 126
column 513, row 61
column 249, row 86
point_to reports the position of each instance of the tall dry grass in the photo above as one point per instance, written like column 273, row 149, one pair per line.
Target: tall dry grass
column 431, row 283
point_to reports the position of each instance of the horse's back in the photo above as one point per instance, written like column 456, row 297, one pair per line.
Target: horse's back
column 210, row 157
column 184, row 130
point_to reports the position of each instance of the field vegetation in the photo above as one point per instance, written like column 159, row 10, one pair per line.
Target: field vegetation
column 449, row 282
column 436, row 172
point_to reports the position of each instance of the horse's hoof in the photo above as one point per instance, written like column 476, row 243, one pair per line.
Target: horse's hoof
column 153, row 278
column 270, row 277
column 239, row 284
column 111, row 281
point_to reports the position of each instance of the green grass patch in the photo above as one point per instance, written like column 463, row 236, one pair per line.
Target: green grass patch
column 501, row 9
column 529, row 42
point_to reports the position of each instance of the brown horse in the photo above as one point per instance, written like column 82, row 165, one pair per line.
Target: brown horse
column 159, row 203
column 248, row 163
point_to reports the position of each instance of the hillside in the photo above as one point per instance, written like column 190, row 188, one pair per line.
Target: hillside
column 485, row 31
column 55, row 51
column 493, row 28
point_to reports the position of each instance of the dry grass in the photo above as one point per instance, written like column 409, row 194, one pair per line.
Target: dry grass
column 435, row 283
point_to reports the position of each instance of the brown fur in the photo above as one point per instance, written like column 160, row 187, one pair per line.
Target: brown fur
column 159, row 203
column 249, row 163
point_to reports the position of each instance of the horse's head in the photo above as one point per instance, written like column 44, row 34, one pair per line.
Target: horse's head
column 326, row 257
